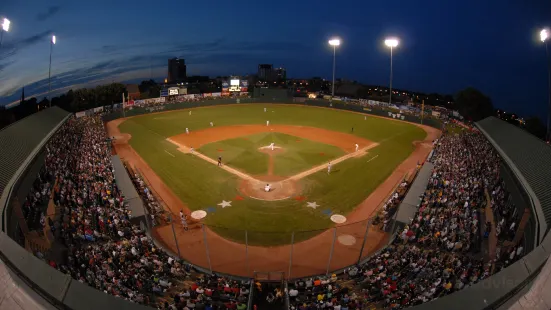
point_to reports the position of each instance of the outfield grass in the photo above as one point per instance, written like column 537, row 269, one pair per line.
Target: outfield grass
column 201, row 185
column 299, row 154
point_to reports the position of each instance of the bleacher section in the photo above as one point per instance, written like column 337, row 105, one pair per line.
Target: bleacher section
column 529, row 158
column 22, row 139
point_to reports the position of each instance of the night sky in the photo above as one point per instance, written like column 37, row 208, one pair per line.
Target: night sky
column 445, row 45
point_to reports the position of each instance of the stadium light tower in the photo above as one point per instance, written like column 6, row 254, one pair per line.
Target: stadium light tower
column 5, row 28
column 334, row 42
column 392, row 43
column 544, row 37
column 52, row 43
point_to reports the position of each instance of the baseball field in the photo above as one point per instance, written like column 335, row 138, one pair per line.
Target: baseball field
column 303, row 194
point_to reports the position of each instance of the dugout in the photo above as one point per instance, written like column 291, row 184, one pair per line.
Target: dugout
column 272, row 93
column 131, row 196
column 410, row 204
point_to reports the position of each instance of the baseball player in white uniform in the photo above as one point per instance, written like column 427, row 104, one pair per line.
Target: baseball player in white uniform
column 365, row 118
column 190, row 113
column 267, row 123
column 272, row 146
column 267, row 188
column 264, row 109
column 357, row 147
column 329, row 168
column 187, row 131
column 211, row 124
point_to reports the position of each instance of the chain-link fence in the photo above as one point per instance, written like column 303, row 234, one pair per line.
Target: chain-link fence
column 304, row 253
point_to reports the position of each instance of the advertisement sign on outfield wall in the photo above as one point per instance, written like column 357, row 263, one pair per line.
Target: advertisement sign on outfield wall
column 207, row 95
column 244, row 85
column 164, row 92
column 216, row 94
column 173, row 91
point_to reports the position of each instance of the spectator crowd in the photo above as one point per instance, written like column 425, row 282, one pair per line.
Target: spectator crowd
column 439, row 251
column 433, row 256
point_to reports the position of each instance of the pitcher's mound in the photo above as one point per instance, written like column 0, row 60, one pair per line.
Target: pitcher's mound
column 268, row 150
column 279, row 190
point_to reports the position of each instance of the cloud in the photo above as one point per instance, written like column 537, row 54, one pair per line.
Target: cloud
column 24, row 43
column 206, row 58
column 52, row 10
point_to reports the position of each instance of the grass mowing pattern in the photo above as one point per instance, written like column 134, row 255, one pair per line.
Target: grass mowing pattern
column 201, row 185
column 242, row 153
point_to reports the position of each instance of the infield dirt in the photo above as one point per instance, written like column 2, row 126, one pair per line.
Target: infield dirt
column 282, row 188
column 309, row 257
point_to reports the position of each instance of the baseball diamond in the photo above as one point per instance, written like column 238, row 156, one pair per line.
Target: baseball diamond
column 267, row 199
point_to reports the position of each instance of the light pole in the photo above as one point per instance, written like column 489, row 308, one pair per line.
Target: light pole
column 544, row 35
column 334, row 43
column 52, row 43
column 5, row 28
column 392, row 43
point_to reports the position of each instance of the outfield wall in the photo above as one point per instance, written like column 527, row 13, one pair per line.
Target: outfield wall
column 298, row 101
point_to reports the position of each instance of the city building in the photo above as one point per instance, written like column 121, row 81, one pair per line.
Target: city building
column 133, row 91
column 177, row 71
column 265, row 72
column 280, row 75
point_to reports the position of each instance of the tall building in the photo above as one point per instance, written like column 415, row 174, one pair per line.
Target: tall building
column 177, row 71
column 265, row 72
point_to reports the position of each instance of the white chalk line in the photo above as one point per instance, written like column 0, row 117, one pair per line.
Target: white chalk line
column 169, row 153
column 373, row 158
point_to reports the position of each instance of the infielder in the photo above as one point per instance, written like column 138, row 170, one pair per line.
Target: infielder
column 272, row 146
column 329, row 168
column 219, row 161
column 267, row 123
column 191, row 150
column 184, row 222
column 211, row 124
column 187, row 131
column 357, row 147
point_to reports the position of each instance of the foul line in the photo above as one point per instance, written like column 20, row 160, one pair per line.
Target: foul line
column 169, row 153
column 296, row 177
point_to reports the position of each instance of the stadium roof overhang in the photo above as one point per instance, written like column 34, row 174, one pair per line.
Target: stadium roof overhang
column 20, row 143
column 528, row 158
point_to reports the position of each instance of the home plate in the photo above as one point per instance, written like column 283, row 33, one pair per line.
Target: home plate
column 337, row 218
column 346, row 239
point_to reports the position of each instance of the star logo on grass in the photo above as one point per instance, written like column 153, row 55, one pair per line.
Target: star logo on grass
column 312, row 205
column 224, row 204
